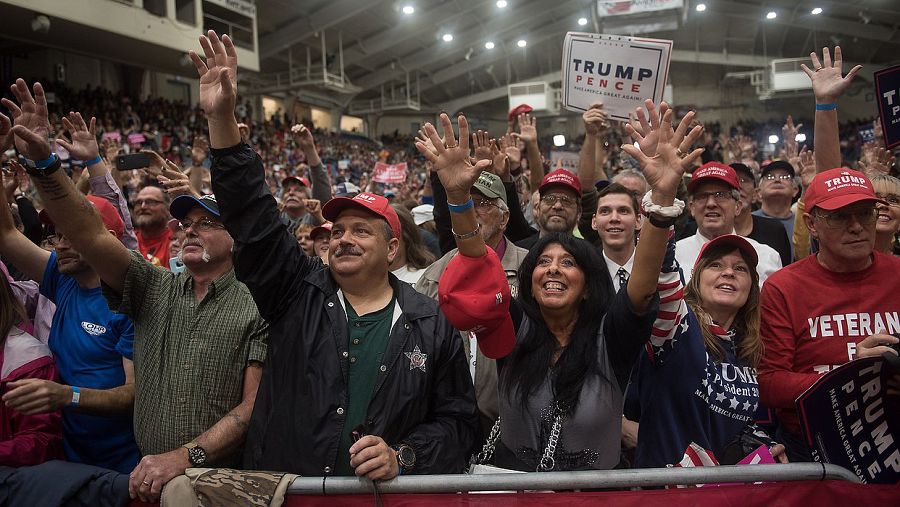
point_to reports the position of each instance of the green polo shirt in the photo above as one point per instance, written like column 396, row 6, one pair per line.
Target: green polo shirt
column 369, row 337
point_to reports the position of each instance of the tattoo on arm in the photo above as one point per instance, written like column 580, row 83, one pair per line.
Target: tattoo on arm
column 238, row 421
column 52, row 188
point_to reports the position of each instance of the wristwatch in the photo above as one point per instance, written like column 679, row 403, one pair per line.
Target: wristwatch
column 406, row 457
column 196, row 454
column 42, row 168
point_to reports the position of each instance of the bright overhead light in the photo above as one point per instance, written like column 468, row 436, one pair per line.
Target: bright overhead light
column 816, row 11
column 501, row 3
column 771, row 15
column 582, row 21
column 701, row 7
column 773, row 139
column 800, row 138
column 447, row 37
column 488, row 45
column 559, row 140
column 522, row 43
column 408, row 9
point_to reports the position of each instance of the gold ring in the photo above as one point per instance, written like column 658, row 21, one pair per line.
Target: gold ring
column 679, row 152
column 145, row 483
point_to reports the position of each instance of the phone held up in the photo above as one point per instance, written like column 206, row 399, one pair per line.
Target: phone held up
column 132, row 161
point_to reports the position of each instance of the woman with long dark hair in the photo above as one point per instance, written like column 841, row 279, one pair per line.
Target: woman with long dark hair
column 565, row 345
column 413, row 256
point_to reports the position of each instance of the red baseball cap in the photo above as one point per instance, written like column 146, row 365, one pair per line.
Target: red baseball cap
column 474, row 295
column 295, row 179
column 326, row 228
column 714, row 171
column 734, row 240
column 372, row 203
column 836, row 188
column 108, row 213
column 563, row 178
column 520, row 109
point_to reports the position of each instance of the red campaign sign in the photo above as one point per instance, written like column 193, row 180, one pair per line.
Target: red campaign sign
column 390, row 173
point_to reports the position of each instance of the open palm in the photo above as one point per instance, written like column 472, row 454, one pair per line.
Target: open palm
column 451, row 160
column 827, row 82
column 31, row 113
column 665, row 169
column 84, row 143
column 218, row 75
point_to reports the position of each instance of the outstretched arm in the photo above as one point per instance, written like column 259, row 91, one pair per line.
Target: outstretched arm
column 828, row 85
column 72, row 214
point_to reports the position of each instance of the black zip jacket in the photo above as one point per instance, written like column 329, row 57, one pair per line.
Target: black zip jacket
column 299, row 413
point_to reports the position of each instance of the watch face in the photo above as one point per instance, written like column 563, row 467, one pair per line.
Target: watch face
column 197, row 456
column 407, row 456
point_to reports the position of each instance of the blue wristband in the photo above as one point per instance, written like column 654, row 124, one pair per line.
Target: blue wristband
column 826, row 107
column 76, row 396
column 459, row 208
column 95, row 160
column 43, row 164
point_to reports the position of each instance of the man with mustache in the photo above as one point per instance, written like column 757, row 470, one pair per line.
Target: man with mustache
column 559, row 206
column 199, row 340
column 296, row 208
column 366, row 376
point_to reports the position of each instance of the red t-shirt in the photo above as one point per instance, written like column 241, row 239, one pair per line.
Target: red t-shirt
column 155, row 249
column 812, row 319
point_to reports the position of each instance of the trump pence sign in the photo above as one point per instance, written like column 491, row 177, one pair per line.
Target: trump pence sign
column 619, row 71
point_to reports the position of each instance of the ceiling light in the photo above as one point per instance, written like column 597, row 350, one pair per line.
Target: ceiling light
column 582, row 21
column 501, row 3
column 559, row 140
column 701, row 7
column 522, row 43
column 408, row 9
column 773, row 139
column 800, row 138
column 488, row 45
column 447, row 37
column 771, row 15
column 816, row 11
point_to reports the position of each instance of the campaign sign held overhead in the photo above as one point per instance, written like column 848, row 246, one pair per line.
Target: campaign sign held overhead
column 887, row 92
column 389, row 173
column 619, row 71
column 849, row 419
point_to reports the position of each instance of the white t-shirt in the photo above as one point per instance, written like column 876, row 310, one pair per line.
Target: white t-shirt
column 408, row 274
column 687, row 250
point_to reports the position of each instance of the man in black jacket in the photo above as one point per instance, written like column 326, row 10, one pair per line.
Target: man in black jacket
column 354, row 355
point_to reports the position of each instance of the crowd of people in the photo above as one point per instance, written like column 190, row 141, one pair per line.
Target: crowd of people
column 253, row 299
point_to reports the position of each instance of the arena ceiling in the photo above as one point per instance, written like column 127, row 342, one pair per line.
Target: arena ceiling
column 383, row 47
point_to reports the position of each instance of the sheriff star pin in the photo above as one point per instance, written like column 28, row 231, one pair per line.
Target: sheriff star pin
column 416, row 359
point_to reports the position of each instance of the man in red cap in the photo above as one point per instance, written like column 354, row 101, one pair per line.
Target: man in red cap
column 298, row 206
column 559, row 206
column 366, row 377
column 714, row 200
column 828, row 308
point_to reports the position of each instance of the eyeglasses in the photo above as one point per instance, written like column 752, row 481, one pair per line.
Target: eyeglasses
column 717, row 196
column 150, row 203
column 54, row 239
column 552, row 199
column 782, row 177
column 841, row 219
column 484, row 204
column 202, row 225
column 890, row 199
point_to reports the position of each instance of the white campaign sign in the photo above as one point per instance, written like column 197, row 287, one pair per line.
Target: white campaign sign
column 619, row 71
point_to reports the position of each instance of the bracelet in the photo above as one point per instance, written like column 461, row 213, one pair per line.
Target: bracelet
column 76, row 396
column 459, row 208
column 43, row 164
column 826, row 107
column 468, row 235
column 95, row 160
column 650, row 208
column 662, row 223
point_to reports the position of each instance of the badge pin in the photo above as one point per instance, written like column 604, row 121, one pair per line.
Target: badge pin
column 416, row 359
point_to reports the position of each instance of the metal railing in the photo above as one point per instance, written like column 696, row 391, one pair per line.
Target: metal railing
column 556, row 481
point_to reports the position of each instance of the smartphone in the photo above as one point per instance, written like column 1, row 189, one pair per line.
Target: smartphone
column 132, row 161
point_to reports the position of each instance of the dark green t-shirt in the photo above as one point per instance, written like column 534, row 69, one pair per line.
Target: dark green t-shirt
column 369, row 337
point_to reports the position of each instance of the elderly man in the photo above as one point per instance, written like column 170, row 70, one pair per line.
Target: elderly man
column 714, row 200
column 841, row 303
column 778, row 186
column 199, row 341
column 492, row 213
column 365, row 377
column 559, row 207
column 295, row 191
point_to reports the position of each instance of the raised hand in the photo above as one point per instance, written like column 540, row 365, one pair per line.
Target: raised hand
column 199, row 149
column 500, row 162
column 527, row 128
column 218, row 76
column 451, row 160
column 314, row 207
column 875, row 159
column 483, row 145
column 84, row 140
column 32, row 127
column 510, row 147
column 6, row 135
column 645, row 133
column 827, row 82
column 10, row 180
column 595, row 120
column 789, row 135
column 157, row 164
column 110, row 150
column 807, row 167
column 663, row 170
